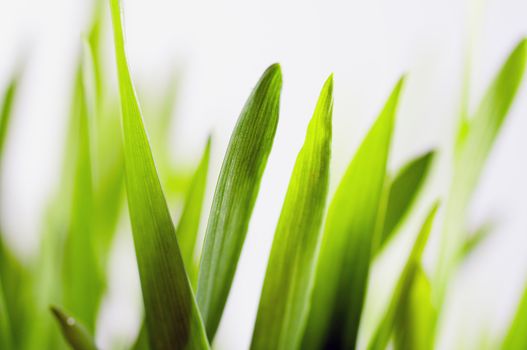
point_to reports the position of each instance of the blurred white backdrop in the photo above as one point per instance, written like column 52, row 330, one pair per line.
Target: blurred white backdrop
column 221, row 48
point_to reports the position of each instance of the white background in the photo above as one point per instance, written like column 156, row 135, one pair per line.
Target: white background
column 221, row 48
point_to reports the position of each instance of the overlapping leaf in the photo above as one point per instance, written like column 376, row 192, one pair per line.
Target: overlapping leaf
column 284, row 303
column 349, row 240
column 172, row 317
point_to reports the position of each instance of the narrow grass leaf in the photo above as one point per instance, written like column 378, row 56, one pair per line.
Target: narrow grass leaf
column 235, row 195
column 6, row 109
column 402, row 192
column 172, row 317
column 516, row 337
column 82, row 278
column 284, row 302
column 403, row 287
column 75, row 333
column 414, row 326
column 471, row 154
column 349, row 240
column 188, row 226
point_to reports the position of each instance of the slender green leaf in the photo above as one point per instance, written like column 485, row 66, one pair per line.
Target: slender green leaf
column 82, row 279
column 288, row 284
column 474, row 240
column 384, row 331
column 349, row 240
column 75, row 333
column 188, row 226
column 6, row 109
column 172, row 317
column 471, row 154
column 415, row 322
column 235, row 195
column 402, row 192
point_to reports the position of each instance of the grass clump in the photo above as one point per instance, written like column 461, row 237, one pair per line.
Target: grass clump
column 322, row 256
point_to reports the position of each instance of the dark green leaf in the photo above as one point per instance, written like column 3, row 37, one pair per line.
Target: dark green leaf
column 288, row 284
column 172, row 317
column 235, row 195
column 348, row 240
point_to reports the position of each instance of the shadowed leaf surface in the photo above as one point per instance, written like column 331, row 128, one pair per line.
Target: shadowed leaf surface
column 235, row 195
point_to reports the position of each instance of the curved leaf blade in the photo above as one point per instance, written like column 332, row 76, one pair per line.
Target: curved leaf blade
column 235, row 195
column 172, row 317
column 290, row 272
column 349, row 239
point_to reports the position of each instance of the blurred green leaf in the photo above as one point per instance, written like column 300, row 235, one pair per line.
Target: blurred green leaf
column 382, row 334
column 141, row 342
column 349, row 240
column 188, row 226
column 402, row 192
column 516, row 337
column 288, row 284
column 6, row 341
column 235, row 195
column 471, row 153
column 75, row 334
column 82, row 276
column 172, row 317
column 414, row 325
column 7, row 108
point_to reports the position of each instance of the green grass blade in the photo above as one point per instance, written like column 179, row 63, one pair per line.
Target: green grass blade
column 402, row 193
column 349, row 239
column 415, row 323
column 516, row 337
column 384, row 331
column 75, row 334
column 172, row 317
column 284, row 303
column 471, row 154
column 7, row 108
column 235, row 195
column 82, row 278
column 188, row 226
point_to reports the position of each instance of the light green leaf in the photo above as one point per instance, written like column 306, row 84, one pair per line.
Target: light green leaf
column 403, row 287
column 516, row 337
column 82, row 276
column 349, row 240
column 402, row 192
column 415, row 323
column 6, row 337
column 6, row 109
column 471, row 154
column 235, row 195
column 75, row 334
column 288, row 284
column 172, row 317
column 188, row 226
